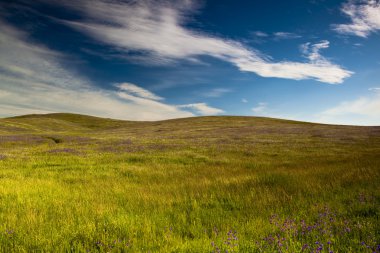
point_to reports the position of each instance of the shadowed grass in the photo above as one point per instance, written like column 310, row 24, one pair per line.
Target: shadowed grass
column 206, row 184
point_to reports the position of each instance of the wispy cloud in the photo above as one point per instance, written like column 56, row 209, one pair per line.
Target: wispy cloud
column 364, row 15
column 260, row 37
column 35, row 79
column 374, row 89
column 138, row 91
column 286, row 35
column 215, row 93
column 311, row 51
column 260, row 34
column 243, row 100
column 155, row 30
column 361, row 111
column 263, row 109
column 260, row 108
column 202, row 109
column 318, row 67
column 275, row 35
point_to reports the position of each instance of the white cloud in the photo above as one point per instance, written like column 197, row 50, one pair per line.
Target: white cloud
column 202, row 109
column 260, row 34
column 260, row 108
column 155, row 30
column 138, row 91
column 361, row 111
column 243, row 100
column 365, row 18
column 35, row 79
column 322, row 71
column 217, row 92
column 285, row 35
column 318, row 66
column 374, row 89
column 312, row 51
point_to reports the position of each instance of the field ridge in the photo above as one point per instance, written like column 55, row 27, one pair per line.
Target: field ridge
column 76, row 183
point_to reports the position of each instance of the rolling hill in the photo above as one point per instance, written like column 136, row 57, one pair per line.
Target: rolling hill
column 207, row 184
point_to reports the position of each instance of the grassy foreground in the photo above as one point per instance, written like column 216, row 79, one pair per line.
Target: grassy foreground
column 72, row 183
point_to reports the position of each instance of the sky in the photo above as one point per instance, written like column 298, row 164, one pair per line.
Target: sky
column 307, row 60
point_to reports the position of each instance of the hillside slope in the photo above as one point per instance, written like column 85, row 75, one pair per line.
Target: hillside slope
column 75, row 183
column 65, row 122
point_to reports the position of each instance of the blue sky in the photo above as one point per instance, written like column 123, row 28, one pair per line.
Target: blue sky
column 314, row 60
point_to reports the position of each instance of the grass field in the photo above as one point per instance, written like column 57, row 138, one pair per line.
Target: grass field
column 72, row 183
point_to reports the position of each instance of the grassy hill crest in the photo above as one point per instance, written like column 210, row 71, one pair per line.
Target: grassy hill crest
column 76, row 183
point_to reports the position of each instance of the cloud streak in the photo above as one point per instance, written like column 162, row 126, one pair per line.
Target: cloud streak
column 312, row 51
column 364, row 110
column 286, row 35
column 318, row 66
column 216, row 93
column 260, row 108
column 155, row 30
column 35, row 79
column 202, row 109
column 365, row 18
column 138, row 91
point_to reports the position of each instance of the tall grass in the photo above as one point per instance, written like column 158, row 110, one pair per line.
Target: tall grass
column 212, row 184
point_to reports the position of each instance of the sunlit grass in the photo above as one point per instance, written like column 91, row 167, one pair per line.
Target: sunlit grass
column 193, row 185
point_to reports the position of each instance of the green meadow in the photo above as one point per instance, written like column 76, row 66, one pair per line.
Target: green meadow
column 73, row 183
